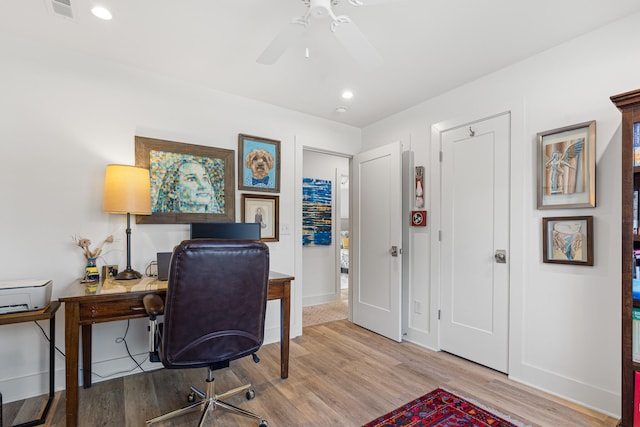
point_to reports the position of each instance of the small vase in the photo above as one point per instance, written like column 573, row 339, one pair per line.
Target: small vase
column 91, row 271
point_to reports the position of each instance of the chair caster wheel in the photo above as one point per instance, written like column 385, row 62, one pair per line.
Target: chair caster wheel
column 191, row 397
column 251, row 393
column 263, row 423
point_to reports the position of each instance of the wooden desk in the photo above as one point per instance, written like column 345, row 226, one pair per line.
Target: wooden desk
column 49, row 313
column 123, row 300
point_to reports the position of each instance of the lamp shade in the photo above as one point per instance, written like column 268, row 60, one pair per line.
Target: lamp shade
column 127, row 190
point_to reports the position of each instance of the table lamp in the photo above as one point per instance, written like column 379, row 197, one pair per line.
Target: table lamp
column 127, row 191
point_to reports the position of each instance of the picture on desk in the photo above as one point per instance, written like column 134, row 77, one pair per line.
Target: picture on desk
column 189, row 183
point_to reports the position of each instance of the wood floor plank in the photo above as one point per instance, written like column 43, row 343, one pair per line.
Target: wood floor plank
column 339, row 375
column 102, row 404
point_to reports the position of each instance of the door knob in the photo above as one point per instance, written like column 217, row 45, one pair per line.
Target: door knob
column 394, row 251
column 500, row 256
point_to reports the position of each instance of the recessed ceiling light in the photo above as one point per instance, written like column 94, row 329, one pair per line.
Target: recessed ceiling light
column 102, row 13
column 347, row 94
column 341, row 109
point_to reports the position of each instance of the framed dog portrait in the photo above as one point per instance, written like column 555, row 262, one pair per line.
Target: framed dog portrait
column 189, row 183
column 258, row 164
column 264, row 211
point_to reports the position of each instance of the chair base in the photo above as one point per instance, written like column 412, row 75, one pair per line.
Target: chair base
column 210, row 401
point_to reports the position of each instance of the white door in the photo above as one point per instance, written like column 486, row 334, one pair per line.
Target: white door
column 377, row 235
column 475, row 231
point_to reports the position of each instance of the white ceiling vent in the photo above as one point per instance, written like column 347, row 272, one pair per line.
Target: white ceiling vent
column 62, row 7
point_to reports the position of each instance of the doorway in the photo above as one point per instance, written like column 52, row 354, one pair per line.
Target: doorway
column 325, row 264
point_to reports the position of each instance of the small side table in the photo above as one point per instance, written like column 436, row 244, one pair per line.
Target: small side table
column 29, row 316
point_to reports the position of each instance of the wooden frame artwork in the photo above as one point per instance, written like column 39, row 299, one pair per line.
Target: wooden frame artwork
column 568, row 240
column 258, row 164
column 265, row 211
column 567, row 167
column 189, row 183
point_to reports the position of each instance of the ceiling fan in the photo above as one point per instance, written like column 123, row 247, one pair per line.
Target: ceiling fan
column 342, row 26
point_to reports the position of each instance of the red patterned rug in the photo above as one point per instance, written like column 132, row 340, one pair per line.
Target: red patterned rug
column 440, row 408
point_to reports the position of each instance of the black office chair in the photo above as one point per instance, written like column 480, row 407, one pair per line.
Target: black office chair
column 213, row 313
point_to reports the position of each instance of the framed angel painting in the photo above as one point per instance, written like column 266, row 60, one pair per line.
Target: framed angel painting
column 567, row 167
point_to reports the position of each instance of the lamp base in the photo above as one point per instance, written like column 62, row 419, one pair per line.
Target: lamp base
column 128, row 274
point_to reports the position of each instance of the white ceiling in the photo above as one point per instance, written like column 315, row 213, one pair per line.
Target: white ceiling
column 428, row 46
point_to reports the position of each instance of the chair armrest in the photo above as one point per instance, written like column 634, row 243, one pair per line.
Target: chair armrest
column 153, row 305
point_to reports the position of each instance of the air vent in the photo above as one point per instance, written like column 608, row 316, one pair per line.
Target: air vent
column 62, row 7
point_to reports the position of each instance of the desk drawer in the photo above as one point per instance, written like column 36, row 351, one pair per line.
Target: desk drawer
column 94, row 312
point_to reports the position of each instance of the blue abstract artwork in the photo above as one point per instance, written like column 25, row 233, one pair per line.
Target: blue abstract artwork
column 316, row 212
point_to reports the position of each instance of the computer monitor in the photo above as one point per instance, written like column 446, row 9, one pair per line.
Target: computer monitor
column 163, row 259
column 225, row 230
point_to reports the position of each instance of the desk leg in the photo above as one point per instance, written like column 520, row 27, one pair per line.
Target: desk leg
column 52, row 357
column 86, row 356
column 285, row 319
column 71, row 335
column 52, row 370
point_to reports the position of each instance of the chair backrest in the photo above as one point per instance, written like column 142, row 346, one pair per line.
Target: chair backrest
column 216, row 302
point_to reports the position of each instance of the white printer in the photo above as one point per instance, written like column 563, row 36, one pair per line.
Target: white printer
column 24, row 295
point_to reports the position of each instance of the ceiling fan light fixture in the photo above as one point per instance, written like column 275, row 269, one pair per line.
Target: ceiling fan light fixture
column 320, row 8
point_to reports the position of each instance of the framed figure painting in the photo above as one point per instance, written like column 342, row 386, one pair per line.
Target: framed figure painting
column 567, row 167
column 262, row 210
column 189, row 183
column 258, row 164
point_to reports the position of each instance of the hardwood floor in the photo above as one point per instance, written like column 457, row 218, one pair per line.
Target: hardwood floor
column 339, row 375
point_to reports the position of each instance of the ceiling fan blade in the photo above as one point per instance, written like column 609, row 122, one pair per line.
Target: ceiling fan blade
column 370, row 2
column 282, row 42
column 356, row 44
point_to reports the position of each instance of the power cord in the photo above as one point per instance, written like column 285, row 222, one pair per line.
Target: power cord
column 118, row 340
column 46, row 337
column 123, row 340
column 148, row 271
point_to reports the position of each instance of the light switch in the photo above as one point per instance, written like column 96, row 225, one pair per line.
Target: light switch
column 284, row 228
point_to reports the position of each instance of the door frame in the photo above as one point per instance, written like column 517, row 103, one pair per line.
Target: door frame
column 516, row 199
column 296, row 289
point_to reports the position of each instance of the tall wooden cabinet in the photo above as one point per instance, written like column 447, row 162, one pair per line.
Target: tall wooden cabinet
column 629, row 104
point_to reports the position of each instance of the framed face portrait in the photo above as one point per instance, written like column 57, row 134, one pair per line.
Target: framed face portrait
column 258, row 164
column 263, row 210
column 189, row 183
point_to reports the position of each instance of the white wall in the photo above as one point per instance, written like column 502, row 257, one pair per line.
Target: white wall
column 565, row 320
column 320, row 263
column 64, row 116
